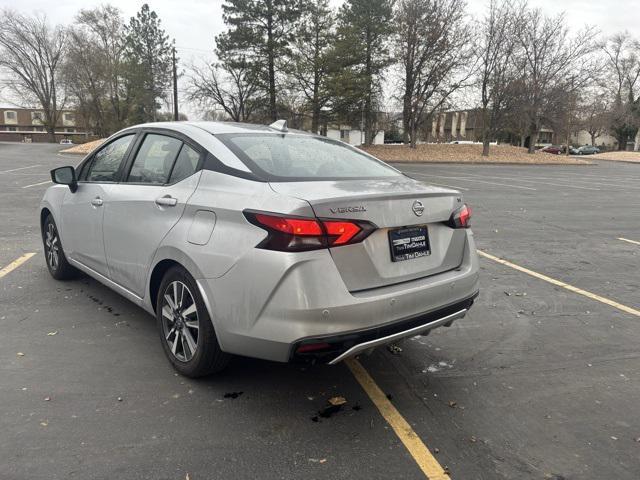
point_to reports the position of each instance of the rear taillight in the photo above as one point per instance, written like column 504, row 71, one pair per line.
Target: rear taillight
column 461, row 218
column 295, row 234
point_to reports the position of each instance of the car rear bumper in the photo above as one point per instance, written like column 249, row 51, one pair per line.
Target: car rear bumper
column 269, row 303
column 349, row 344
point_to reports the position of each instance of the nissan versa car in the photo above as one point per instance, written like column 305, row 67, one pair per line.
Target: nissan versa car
column 260, row 241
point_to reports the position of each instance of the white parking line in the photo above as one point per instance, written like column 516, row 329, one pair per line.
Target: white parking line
column 36, row 184
column 629, row 241
column 439, row 184
column 467, row 179
column 21, row 168
column 544, row 182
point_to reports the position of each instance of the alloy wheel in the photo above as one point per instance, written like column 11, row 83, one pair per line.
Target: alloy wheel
column 52, row 244
column 180, row 321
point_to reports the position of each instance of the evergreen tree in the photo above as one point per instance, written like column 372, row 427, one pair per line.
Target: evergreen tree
column 361, row 55
column 260, row 33
column 148, row 53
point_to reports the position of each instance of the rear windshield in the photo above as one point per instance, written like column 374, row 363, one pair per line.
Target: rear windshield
column 291, row 157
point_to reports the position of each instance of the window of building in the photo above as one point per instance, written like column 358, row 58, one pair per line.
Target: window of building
column 37, row 118
column 10, row 116
column 344, row 135
column 11, row 129
column 69, row 117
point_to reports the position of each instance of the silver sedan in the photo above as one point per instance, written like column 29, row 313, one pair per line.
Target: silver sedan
column 260, row 241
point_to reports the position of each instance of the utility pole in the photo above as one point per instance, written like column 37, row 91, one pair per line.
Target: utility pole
column 175, row 87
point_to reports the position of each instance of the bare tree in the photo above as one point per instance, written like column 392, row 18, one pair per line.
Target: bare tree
column 104, row 28
column 84, row 80
column 433, row 46
column 552, row 61
column 31, row 50
column 595, row 118
column 497, row 44
column 622, row 54
column 234, row 87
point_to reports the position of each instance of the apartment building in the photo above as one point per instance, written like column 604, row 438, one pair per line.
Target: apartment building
column 26, row 125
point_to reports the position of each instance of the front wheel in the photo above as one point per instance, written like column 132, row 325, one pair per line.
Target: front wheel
column 185, row 328
column 57, row 263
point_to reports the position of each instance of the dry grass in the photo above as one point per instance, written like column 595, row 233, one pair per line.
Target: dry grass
column 466, row 153
column 620, row 156
column 84, row 148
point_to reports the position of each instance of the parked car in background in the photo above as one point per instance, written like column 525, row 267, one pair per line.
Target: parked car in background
column 588, row 150
column 574, row 151
column 66, row 141
column 260, row 241
column 554, row 149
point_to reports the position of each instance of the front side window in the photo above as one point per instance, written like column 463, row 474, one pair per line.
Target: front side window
column 186, row 164
column 155, row 159
column 288, row 157
column 107, row 161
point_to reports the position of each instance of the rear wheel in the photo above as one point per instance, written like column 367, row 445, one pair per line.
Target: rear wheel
column 185, row 328
column 57, row 263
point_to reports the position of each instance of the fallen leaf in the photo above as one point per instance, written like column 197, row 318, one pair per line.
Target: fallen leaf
column 47, row 399
column 335, row 401
column 19, row 354
column 453, row 403
column 51, row 334
column 473, row 439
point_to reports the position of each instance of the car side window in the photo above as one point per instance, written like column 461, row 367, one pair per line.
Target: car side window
column 154, row 159
column 106, row 162
column 186, row 164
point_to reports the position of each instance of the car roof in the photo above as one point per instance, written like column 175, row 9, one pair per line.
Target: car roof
column 215, row 127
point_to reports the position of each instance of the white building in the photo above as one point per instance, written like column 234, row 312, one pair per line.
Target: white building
column 353, row 137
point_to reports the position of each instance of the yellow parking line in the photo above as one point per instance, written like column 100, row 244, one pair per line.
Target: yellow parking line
column 15, row 264
column 418, row 450
column 630, row 241
column 579, row 291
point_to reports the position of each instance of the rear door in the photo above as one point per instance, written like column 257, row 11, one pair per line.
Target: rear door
column 83, row 210
column 141, row 210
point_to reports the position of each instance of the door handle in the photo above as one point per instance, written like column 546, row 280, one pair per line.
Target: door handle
column 167, row 201
column 96, row 202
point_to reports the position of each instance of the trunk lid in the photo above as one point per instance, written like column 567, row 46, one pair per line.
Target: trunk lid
column 389, row 204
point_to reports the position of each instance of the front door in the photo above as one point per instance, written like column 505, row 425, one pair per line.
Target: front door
column 143, row 209
column 83, row 211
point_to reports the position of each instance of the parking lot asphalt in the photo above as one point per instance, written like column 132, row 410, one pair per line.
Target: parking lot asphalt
column 537, row 382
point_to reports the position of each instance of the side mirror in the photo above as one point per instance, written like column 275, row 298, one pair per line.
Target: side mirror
column 65, row 176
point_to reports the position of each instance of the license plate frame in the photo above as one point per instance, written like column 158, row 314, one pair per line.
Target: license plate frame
column 409, row 243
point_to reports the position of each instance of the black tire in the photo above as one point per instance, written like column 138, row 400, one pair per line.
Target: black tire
column 57, row 263
column 176, row 326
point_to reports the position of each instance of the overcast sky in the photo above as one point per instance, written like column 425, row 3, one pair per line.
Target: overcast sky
column 195, row 23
